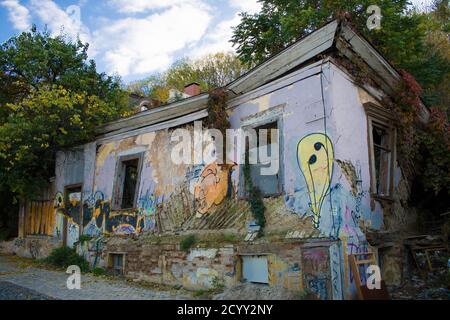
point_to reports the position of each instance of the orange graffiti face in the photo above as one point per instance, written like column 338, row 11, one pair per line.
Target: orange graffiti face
column 211, row 188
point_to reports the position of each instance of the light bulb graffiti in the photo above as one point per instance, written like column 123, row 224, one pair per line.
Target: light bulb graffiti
column 315, row 156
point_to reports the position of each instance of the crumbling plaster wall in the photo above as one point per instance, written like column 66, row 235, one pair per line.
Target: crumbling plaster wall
column 321, row 114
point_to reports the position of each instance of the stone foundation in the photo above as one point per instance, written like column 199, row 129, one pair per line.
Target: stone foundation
column 30, row 247
column 296, row 266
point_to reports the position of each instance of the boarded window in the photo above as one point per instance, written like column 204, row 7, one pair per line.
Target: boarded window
column 127, row 182
column 255, row 269
column 268, row 184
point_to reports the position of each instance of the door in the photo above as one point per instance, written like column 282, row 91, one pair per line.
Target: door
column 73, row 218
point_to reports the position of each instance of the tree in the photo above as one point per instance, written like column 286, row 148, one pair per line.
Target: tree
column 282, row 22
column 211, row 71
column 51, row 97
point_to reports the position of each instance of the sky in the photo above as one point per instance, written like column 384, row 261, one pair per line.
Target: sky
column 133, row 38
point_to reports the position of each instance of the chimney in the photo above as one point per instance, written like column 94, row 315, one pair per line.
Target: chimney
column 192, row 89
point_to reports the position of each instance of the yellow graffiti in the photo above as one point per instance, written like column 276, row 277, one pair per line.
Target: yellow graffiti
column 315, row 156
column 211, row 187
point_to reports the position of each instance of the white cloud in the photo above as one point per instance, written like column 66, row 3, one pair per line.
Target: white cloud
column 59, row 20
column 250, row 6
column 135, row 6
column 218, row 39
column 135, row 46
column 18, row 14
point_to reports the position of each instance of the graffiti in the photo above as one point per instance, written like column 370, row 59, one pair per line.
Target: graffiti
column 316, row 269
column 336, row 270
column 319, row 287
column 95, row 212
column 99, row 219
column 357, row 247
column 211, row 187
column 34, row 247
column 147, row 212
column 59, row 200
column 315, row 156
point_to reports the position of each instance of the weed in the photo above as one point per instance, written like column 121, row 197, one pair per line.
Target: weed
column 188, row 242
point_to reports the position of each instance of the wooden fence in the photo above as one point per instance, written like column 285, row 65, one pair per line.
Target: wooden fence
column 39, row 217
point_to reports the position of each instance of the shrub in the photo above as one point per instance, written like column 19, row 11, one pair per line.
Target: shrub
column 83, row 238
column 188, row 242
column 64, row 256
column 98, row 271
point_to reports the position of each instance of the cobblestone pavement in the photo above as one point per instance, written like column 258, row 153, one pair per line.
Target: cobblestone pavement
column 10, row 291
column 20, row 282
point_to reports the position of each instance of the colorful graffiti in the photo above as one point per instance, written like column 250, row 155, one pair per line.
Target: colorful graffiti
column 316, row 271
column 211, row 187
column 99, row 218
column 95, row 213
column 315, row 156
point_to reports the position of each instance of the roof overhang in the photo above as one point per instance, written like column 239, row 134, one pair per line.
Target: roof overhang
column 333, row 36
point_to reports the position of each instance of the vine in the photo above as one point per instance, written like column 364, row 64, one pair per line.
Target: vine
column 218, row 119
column 217, row 110
column 423, row 149
column 254, row 195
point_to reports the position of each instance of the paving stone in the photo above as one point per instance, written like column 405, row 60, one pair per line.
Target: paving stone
column 32, row 283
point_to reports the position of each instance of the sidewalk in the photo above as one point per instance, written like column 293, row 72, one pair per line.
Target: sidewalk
column 52, row 284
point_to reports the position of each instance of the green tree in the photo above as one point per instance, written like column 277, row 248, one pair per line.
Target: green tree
column 282, row 22
column 210, row 71
column 51, row 97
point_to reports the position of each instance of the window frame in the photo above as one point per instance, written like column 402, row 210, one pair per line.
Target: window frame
column 119, row 180
column 259, row 123
column 378, row 116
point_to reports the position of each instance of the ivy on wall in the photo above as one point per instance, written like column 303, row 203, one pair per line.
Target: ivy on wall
column 218, row 119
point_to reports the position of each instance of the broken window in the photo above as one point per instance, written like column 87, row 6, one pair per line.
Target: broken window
column 127, row 182
column 382, row 147
column 268, row 184
column 382, row 158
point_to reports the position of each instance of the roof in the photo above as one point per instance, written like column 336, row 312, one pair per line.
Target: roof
column 335, row 35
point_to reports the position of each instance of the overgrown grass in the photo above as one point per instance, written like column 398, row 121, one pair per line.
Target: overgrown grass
column 64, row 256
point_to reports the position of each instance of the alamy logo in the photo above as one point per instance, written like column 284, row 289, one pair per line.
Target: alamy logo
column 74, row 280
column 241, row 145
column 373, row 277
column 374, row 20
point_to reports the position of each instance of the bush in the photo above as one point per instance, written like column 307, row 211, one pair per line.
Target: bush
column 84, row 238
column 64, row 256
column 187, row 242
column 98, row 271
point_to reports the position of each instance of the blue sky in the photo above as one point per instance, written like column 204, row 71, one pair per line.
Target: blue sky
column 133, row 38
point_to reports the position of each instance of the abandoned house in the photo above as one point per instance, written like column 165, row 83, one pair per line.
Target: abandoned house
column 127, row 207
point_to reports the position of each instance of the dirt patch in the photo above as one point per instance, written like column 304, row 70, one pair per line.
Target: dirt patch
column 252, row 291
